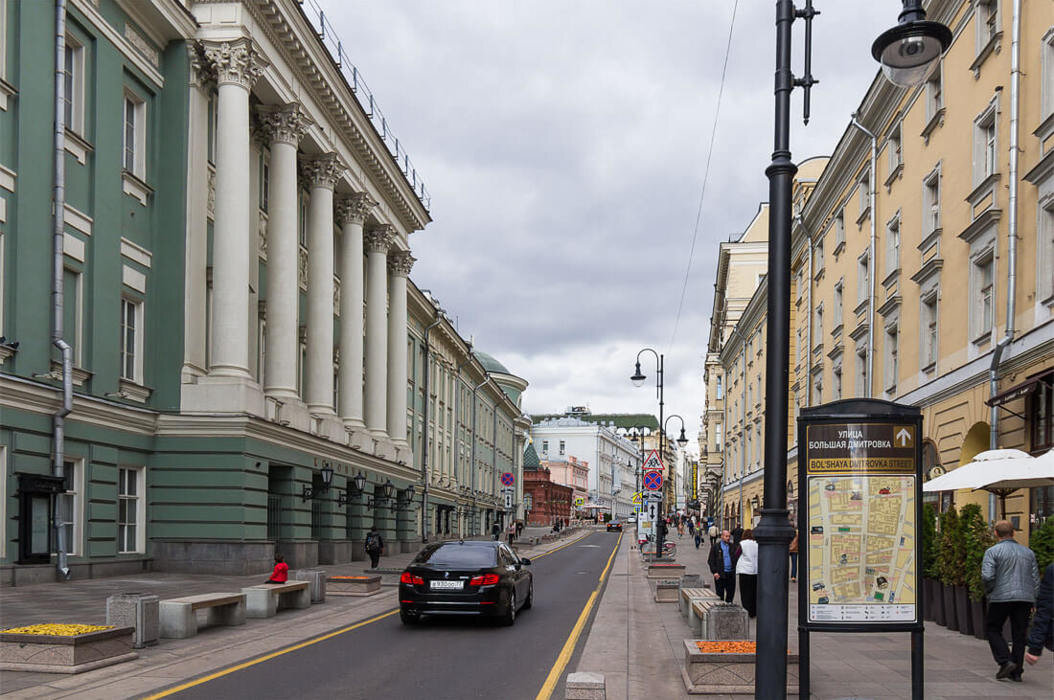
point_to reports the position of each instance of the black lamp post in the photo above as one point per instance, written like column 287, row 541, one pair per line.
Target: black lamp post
column 907, row 53
column 638, row 380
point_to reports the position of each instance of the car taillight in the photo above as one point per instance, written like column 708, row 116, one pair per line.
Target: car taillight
column 412, row 580
column 484, row 580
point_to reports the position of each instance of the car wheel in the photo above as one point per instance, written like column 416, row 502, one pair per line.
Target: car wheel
column 509, row 618
column 409, row 618
column 530, row 596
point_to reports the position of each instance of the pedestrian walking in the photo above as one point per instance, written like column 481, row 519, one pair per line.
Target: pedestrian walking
column 519, row 528
column 691, row 525
column 511, row 532
column 724, row 556
column 712, row 533
column 698, row 537
column 793, row 549
column 374, row 546
column 495, row 531
column 747, row 568
column 1011, row 578
column 1042, row 631
column 737, row 534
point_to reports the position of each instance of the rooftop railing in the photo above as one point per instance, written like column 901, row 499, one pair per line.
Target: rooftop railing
column 316, row 16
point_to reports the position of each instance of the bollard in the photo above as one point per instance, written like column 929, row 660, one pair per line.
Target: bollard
column 317, row 579
column 585, row 686
column 137, row 610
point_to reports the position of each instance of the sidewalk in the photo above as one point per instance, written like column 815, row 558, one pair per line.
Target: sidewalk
column 213, row 648
column 637, row 644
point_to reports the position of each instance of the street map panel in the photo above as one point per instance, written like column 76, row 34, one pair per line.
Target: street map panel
column 862, row 549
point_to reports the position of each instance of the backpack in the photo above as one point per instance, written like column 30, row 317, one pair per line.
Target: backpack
column 373, row 543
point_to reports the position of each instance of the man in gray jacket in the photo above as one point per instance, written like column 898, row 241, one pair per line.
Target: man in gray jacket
column 1011, row 578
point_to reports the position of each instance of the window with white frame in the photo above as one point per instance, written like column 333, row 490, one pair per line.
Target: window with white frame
column 720, row 389
column 563, row 447
column 70, row 505
column 1045, row 252
column 817, row 390
column 863, row 193
column 130, row 510
column 862, row 385
column 891, row 357
column 545, row 447
column 931, row 202
column 983, row 277
column 3, row 61
column 987, row 22
column 985, row 149
column 893, row 150
column 717, row 437
column 73, row 92
column 131, row 353
column 1048, row 74
column 818, row 256
column 134, row 152
column 863, row 277
column 265, row 179
column 817, row 331
column 838, row 303
column 928, row 335
column 934, row 94
column 839, row 229
column 836, row 383
column 893, row 244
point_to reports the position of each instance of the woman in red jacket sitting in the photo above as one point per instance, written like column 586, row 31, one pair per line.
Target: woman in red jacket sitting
column 281, row 570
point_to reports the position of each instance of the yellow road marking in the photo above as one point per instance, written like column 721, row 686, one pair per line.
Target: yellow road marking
column 266, row 657
column 577, row 539
column 572, row 640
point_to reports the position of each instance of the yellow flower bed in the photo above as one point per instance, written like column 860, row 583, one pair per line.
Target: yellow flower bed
column 57, row 630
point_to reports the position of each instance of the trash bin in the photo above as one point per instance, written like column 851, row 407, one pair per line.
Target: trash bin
column 138, row 610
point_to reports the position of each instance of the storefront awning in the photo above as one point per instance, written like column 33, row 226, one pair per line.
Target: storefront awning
column 1021, row 390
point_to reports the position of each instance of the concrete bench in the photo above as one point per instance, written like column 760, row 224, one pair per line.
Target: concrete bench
column 718, row 621
column 353, row 585
column 267, row 599
column 664, row 570
column 666, row 591
column 179, row 619
column 689, row 595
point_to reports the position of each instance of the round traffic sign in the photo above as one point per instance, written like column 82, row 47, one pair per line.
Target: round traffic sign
column 507, row 479
column 653, row 480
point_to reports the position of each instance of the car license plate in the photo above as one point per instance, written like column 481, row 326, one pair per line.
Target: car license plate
column 446, row 585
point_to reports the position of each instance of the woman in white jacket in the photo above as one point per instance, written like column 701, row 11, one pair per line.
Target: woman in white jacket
column 747, row 568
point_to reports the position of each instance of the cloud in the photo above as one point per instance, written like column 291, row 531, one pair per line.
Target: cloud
column 564, row 146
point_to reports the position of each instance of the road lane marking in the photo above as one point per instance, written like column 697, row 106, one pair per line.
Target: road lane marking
column 577, row 539
column 572, row 640
column 266, row 657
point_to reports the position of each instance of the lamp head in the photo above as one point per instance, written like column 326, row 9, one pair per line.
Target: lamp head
column 911, row 50
column 682, row 441
column 638, row 378
column 410, row 493
column 388, row 490
column 327, row 476
column 360, row 482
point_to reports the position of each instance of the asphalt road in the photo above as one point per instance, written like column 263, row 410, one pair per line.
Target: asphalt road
column 442, row 657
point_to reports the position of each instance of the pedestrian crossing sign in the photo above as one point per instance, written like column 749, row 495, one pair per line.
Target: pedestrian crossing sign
column 653, row 462
column 638, row 497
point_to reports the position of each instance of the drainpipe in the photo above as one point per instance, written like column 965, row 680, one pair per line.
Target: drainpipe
column 424, row 433
column 1011, row 234
column 472, row 466
column 870, row 259
column 57, row 293
column 808, row 326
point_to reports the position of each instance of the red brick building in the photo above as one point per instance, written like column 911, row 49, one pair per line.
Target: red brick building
column 544, row 500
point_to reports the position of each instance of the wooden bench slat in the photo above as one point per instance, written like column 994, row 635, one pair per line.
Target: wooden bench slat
column 287, row 587
column 208, row 600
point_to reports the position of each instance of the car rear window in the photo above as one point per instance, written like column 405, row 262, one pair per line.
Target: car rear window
column 459, row 555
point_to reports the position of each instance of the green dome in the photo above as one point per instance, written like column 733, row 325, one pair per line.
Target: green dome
column 489, row 363
column 530, row 458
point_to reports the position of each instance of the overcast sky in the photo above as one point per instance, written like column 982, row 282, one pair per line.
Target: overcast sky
column 564, row 144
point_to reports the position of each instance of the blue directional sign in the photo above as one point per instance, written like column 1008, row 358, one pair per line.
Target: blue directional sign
column 653, row 480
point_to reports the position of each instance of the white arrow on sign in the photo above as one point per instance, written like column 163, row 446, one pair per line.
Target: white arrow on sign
column 904, row 436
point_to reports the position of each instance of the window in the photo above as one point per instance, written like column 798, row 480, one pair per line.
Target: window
column 131, row 340
column 862, row 386
column 69, row 505
column 129, row 510
column 73, row 75
column 983, row 274
column 863, row 278
column 928, row 336
column 717, row 437
column 562, row 447
column 213, row 126
column 987, row 24
column 985, row 150
column 818, row 257
column 545, row 447
column 801, row 345
column 1041, row 418
column 931, row 202
column 817, row 391
column 134, row 152
column 73, row 313
column 934, row 94
column 895, row 153
column 836, row 384
column 1045, row 253
column 864, row 194
column 1048, row 74
column 838, row 304
column 265, row 179
column 893, row 244
column 839, row 230
column 720, row 387
column 891, row 358
column 817, row 331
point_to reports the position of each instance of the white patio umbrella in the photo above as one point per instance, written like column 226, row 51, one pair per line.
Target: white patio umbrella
column 1027, row 474
column 988, row 470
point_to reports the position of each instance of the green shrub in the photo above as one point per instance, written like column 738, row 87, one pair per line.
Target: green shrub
column 977, row 537
column 951, row 552
column 928, row 533
column 1042, row 543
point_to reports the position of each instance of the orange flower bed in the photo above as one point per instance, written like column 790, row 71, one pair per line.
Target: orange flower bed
column 727, row 647
column 347, row 578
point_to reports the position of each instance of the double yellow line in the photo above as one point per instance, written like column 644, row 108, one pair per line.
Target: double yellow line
column 572, row 640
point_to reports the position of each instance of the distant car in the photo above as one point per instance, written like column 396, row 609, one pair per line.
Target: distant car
column 466, row 578
column 632, row 518
column 614, row 526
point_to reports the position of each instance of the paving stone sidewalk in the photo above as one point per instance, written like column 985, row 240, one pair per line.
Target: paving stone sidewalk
column 84, row 601
column 637, row 644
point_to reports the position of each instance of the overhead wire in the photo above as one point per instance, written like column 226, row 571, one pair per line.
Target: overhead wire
column 706, row 177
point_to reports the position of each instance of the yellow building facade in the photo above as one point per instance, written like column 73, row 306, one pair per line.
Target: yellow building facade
column 923, row 259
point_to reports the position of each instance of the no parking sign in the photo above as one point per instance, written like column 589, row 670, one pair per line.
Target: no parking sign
column 653, row 480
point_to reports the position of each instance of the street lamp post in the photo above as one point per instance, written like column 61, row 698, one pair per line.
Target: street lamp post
column 908, row 53
column 682, row 441
column 638, row 380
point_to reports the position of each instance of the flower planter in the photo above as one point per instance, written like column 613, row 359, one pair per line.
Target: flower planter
column 66, row 653
column 726, row 673
column 937, row 601
column 928, row 604
column 359, row 586
column 948, row 596
column 962, row 611
column 977, row 609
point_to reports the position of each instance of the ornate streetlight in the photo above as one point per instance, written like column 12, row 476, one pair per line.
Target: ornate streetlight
column 638, row 380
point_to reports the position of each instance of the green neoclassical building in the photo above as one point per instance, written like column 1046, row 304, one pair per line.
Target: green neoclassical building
column 249, row 366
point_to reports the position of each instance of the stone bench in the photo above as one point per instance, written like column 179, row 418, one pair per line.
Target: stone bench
column 316, row 579
column 179, row 619
column 665, row 570
column 353, row 585
column 715, row 620
column 267, row 599
column 689, row 595
column 666, row 591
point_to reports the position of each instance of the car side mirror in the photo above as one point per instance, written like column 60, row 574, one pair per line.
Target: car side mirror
column 525, row 561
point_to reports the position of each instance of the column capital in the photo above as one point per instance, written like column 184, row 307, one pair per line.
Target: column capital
column 380, row 239
column 201, row 72
column 323, row 170
column 283, row 123
column 400, row 263
column 236, row 62
column 353, row 209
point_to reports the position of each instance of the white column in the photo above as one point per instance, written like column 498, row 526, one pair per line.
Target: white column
column 378, row 241
column 284, row 126
column 238, row 65
column 351, row 215
column 322, row 173
column 399, row 264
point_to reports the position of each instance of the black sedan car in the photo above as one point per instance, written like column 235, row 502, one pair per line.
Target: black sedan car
column 614, row 526
column 466, row 578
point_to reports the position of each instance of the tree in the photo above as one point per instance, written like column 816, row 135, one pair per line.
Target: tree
column 951, row 553
column 928, row 533
column 977, row 537
column 1042, row 543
